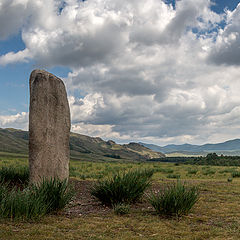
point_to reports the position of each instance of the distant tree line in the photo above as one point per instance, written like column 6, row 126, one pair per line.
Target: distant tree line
column 112, row 156
column 211, row 159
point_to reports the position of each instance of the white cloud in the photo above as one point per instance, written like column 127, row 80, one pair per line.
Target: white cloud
column 11, row 57
column 104, row 131
column 17, row 15
column 19, row 120
column 140, row 69
column 227, row 47
column 84, row 109
column 12, row 16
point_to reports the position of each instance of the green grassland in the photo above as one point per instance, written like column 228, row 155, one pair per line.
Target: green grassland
column 215, row 216
column 81, row 147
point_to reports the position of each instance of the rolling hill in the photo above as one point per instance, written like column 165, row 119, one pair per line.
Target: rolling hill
column 81, row 147
column 231, row 147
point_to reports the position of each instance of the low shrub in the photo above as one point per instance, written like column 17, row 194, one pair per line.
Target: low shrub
column 192, row 171
column 164, row 170
column 235, row 174
column 176, row 176
column 121, row 208
column 176, row 199
column 227, row 170
column 112, row 156
column 229, row 179
column 14, row 175
column 127, row 187
column 209, row 172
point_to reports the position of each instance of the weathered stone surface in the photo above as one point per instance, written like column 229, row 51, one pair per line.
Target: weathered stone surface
column 49, row 127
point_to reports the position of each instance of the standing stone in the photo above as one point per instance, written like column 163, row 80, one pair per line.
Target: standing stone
column 49, row 127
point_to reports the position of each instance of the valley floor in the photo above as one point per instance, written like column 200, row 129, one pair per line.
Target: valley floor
column 215, row 216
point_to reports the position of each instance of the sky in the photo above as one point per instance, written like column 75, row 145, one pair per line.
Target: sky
column 153, row 71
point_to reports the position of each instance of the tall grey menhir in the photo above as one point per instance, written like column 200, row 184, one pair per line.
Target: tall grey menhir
column 49, row 127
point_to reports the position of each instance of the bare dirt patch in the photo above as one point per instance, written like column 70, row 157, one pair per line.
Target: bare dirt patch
column 84, row 203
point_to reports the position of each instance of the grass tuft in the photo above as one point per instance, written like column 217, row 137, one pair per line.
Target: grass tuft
column 17, row 204
column 176, row 176
column 56, row 194
column 121, row 208
column 35, row 201
column 3, row 191
column 235, row 174
column 127, row 187
column 14, row 175
column 192, row 171
column 229, row 179
column 176, row 199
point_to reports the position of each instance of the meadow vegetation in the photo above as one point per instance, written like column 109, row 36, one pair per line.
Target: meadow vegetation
column 20, row 200
column 14, row 175
column 213, row 211
column 211, row 159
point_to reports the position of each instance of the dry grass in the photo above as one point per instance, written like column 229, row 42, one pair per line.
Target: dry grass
column 215, row 216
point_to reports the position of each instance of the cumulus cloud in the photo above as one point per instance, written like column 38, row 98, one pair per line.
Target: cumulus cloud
column 105, row 131
column 139, row 69
column 227, row 47
column 19, row 120
column 81, row 34
column 17, row 15
column 11, row 57
column 12, row 16
column 185, row 114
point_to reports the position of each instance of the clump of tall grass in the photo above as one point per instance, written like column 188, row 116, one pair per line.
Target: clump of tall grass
column 227, row 170
column 73, row 171
column 14, row 175
column 176, row 199
column 163, row 170
column 229, row 179
column 121, row 208
column 3, row 190
column 235, row 174
column 56, row 194
column 126, row 187
column 17, row 204
column 35, row 201
column 192, row 171
column 177, row 176
column 209, row 171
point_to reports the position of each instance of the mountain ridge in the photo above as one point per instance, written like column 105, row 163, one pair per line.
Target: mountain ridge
column 232, row 146
column 81, row 147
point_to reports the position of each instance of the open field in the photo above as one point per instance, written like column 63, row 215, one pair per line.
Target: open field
column 215, row 216
column 179, row 154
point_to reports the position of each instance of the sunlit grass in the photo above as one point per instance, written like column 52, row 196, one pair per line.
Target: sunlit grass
column 215, row 216
column 87, row 170
column 99, row 170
